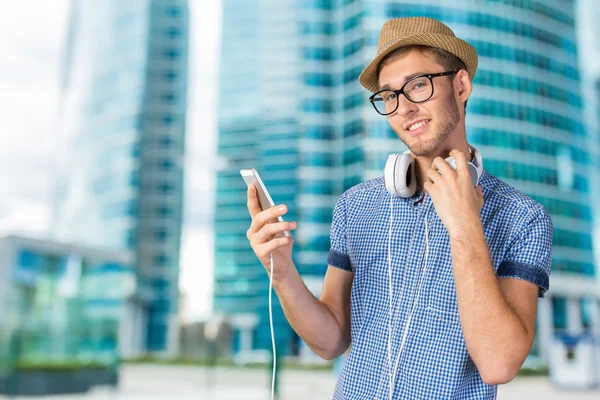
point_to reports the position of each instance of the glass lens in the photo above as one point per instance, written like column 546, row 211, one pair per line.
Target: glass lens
column 419, row 89
column 385, row 102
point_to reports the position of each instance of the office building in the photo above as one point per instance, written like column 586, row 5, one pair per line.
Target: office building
column 124, row 89
column 62, row 302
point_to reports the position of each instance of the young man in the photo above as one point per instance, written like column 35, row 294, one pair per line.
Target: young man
column 455, row 314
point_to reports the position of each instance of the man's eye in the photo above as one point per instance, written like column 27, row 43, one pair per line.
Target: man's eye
column 418, row 86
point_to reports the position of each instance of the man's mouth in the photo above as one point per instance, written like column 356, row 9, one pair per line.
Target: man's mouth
column 417, row 127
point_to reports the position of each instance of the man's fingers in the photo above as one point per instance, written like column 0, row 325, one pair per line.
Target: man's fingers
column 268, row 231
column 461, row 161
column 253, row 204
column 268, row 247
column 432, row 174
column 269, row 215
column 440, row 164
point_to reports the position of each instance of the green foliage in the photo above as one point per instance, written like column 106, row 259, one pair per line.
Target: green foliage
column 226, row 362
column 538, row 371
column 71, row 365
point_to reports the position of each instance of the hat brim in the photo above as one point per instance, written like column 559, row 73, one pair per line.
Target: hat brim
column 463, row 50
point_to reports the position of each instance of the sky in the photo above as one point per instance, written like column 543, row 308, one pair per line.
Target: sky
column 32, row 35
column 588, row 36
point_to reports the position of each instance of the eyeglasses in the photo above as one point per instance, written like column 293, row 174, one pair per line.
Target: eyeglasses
column 418, row 90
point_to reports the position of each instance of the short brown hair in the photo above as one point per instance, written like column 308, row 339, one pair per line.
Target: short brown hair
column 446, row 59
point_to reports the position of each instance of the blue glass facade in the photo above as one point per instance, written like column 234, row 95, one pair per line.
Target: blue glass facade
column 258, row 128
column 63, row 302
column 123, row 125
column 525, row 116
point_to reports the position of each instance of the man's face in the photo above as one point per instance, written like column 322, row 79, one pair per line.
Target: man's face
column 440, row 113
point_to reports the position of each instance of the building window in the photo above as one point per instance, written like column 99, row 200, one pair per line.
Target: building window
column 559, row 313
column 135, row 179
column 171, row 54
column 166, row 188
column 131, row 239
column 319, row 4
column 168, row 98
column 166, row 165
column 160, row 284
column 166, row 142
column 167, row 120
column 318, row 105
column 319, row 79
column 161, row 305
column 164, row 211
column 161, row 260
column 161, row 234
column 157, row 337
column 587, row 309
column 173, row 33
column 173, row 11
column 169, row 76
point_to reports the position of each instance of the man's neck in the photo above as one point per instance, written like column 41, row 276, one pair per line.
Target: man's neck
column 423, row 163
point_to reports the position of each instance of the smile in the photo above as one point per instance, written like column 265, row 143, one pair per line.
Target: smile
column 418, row 127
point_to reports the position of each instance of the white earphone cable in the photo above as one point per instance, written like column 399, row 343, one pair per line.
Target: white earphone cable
column 390, row 291
column 421, row 279
column 272, row 330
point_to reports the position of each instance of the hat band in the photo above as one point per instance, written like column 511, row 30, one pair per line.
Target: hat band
column 386, row 44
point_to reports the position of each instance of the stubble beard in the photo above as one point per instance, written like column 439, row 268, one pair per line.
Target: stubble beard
column 448, row 122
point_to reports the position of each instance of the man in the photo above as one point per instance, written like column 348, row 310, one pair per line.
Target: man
column 467, row 323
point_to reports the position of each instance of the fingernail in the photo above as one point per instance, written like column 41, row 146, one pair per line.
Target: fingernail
column 281, row 208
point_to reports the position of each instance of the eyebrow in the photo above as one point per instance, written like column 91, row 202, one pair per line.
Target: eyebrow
column 406, row 79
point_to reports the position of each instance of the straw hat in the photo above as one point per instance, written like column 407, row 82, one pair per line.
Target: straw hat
column 424, row 31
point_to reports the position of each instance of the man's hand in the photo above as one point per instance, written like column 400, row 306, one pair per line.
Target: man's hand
column 456, row 201
column 262, row 236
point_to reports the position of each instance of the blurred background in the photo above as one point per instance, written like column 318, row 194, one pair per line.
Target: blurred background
column 125, row 272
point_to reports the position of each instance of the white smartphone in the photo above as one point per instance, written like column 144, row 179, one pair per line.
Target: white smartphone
column 251, row 177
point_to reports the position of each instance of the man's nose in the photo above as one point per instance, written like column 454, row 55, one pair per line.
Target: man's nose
column 405, row 106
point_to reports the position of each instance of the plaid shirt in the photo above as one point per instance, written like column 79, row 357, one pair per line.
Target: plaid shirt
column 435, row 362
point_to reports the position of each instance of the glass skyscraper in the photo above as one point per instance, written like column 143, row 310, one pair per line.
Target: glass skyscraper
column 123, row 124
column 258, row 128
column 524, row 115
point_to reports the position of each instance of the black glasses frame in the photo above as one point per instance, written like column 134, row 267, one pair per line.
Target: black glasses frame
column 401, row 90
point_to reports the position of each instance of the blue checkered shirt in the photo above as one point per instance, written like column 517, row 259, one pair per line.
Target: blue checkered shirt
column 435, row 362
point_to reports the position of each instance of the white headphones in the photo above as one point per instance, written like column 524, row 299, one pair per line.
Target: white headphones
column 399, row 174
column 400, row 180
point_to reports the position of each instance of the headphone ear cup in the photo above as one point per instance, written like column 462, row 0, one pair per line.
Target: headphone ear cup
column 479, row 167
column 399, row 175
column 473, row 170
column 474, row 174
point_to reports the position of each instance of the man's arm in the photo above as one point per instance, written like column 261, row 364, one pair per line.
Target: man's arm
column 498, row 318
column 497, row 314
column 324, row 324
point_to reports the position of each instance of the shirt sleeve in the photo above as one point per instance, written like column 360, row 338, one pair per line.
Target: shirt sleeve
column 338, row 251
column 529, row 256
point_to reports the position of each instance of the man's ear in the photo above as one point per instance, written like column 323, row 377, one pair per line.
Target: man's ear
column 463, row 85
